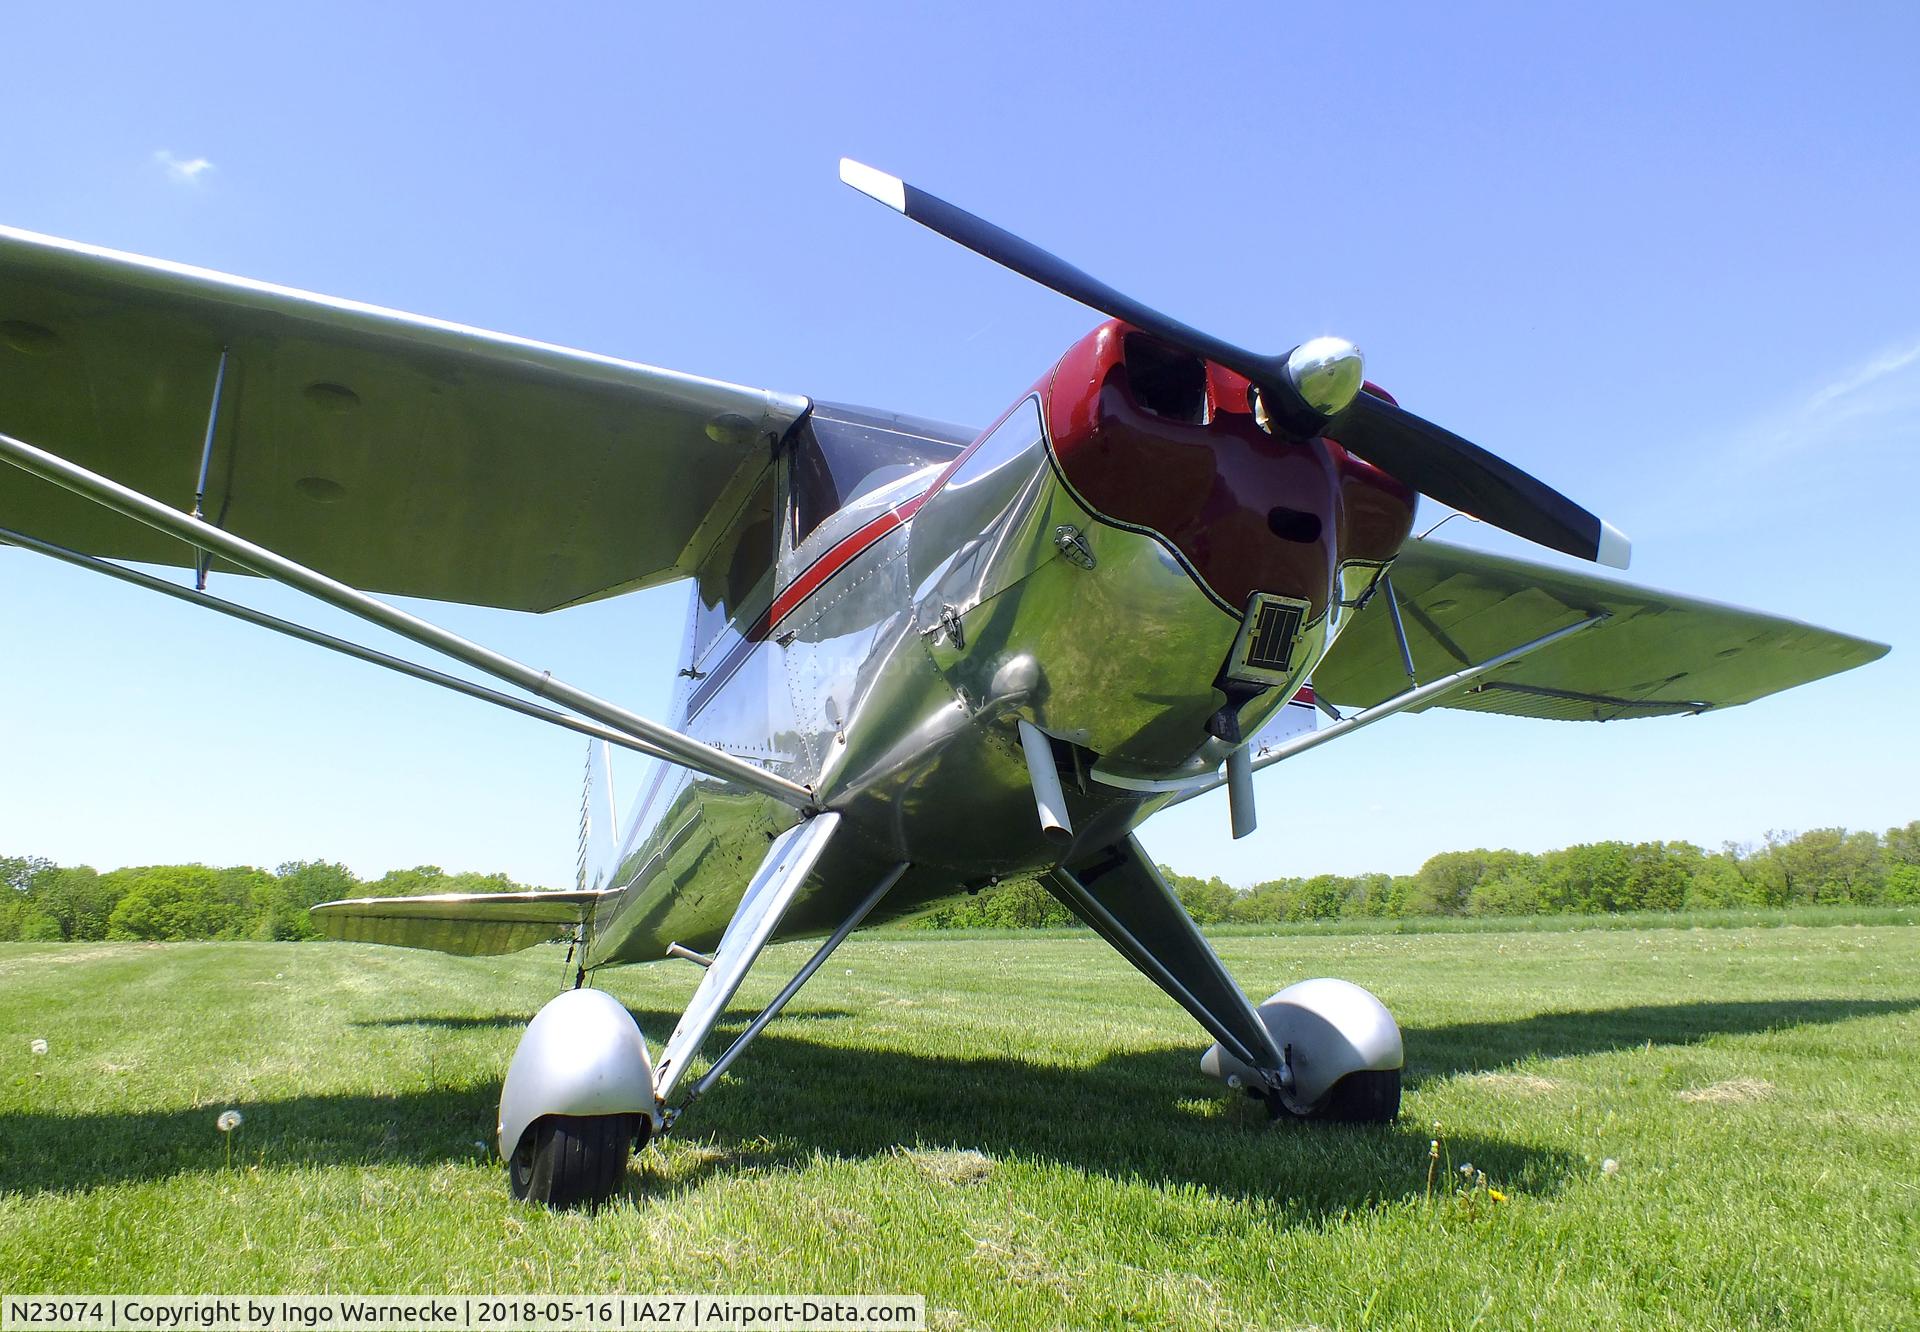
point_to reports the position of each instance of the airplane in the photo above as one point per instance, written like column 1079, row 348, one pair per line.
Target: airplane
column 918, row 659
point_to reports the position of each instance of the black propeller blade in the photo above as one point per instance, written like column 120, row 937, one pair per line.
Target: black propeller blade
column 1312, row 390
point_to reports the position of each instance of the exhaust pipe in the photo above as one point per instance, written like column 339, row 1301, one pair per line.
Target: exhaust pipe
column 1049, row 800
column 1240, row 791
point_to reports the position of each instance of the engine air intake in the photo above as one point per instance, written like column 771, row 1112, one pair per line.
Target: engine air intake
column 1166, row 381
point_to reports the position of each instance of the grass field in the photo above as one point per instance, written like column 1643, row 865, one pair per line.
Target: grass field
column 1014, row 1127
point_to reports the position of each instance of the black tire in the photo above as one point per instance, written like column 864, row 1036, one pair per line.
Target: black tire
column 568, row 1161
column 1371, row 1096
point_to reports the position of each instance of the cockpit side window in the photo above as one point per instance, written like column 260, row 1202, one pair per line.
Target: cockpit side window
column 837, row 460
column 735, row 579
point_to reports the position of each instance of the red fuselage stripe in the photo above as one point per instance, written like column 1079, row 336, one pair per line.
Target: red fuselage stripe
column 843, row 553
column 811, row 580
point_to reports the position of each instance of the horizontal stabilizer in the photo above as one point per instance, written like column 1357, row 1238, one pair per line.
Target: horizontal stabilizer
column 470, row 924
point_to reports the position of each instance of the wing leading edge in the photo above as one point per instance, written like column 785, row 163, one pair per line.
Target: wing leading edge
column 1656, row 654
column 397, row 453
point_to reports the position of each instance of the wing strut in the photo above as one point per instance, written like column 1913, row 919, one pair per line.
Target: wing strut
column 790, row 859
column 202, row 565
column 1400, row 702
column 345, row 647
column 792, row 987
column 674, row 745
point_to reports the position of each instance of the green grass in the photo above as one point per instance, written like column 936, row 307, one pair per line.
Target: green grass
column 1014, row 1127
column 1559, row 922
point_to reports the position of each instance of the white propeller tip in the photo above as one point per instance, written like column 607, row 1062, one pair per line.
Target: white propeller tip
column 1615, row 550
column 889, row 190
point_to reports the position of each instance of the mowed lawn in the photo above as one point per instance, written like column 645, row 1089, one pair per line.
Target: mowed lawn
column 1014, row 1127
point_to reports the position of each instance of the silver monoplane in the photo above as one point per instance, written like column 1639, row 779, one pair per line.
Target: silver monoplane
column 918, row 659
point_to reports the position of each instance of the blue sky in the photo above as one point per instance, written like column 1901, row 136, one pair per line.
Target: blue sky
column 1661, row 255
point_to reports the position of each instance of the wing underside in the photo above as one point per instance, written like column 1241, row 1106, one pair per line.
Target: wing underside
column 396, row 453
column 470, row 924
column 1656, row 654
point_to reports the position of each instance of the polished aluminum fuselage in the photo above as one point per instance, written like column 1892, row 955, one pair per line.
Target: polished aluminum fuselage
column 886, row 663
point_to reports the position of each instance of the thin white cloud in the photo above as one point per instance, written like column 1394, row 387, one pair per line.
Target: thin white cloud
column 1856, row 404
column 1866, row 410
column 184, row 170
column 1878, row 368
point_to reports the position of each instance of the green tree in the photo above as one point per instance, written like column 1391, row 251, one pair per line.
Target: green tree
column 1660, row 874
column 416, row 882
column 1718, row 882
column 1444, row 885
column 299, row 885
column 1206, row 900
column 21, row 915
column 1902, row 887
column 1593, row 877
column 19, row 872
column 183, row 902
column 1901, row 846
column 1323, row 897
column 80, row 900
column 1267, row 903
column 1371, row 895
column 22, row 920
column 1513, row 893
column 1768, row 883
column 1831, row 865
column 1023, row 904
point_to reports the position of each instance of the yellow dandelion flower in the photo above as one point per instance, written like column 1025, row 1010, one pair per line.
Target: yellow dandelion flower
column 1496, row 1195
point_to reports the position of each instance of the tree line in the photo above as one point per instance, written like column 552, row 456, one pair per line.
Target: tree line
column 40, row 900
column 1823, row 866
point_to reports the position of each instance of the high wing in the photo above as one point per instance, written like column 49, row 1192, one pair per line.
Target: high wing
column 396, row 453
column 1656, row 654
column 470, row 924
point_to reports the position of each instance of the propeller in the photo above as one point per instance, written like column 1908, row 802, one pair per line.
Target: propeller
column 1318, row 388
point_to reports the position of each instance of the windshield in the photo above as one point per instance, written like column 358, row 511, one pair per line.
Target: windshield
column 838, row 458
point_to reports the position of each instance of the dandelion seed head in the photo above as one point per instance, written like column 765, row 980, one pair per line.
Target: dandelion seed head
column 1466, row 1168
column 1609, row 1167
column 38, row 1046
column 229, row 1121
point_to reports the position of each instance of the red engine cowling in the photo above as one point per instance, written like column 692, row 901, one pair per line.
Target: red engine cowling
column 1153, row 437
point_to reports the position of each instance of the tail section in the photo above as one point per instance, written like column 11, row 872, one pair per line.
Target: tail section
column 1298, row 717
column 469, row 924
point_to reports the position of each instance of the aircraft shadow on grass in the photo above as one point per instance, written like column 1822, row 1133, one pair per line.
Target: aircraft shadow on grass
column 649, row 1022
column 1135, row 1115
